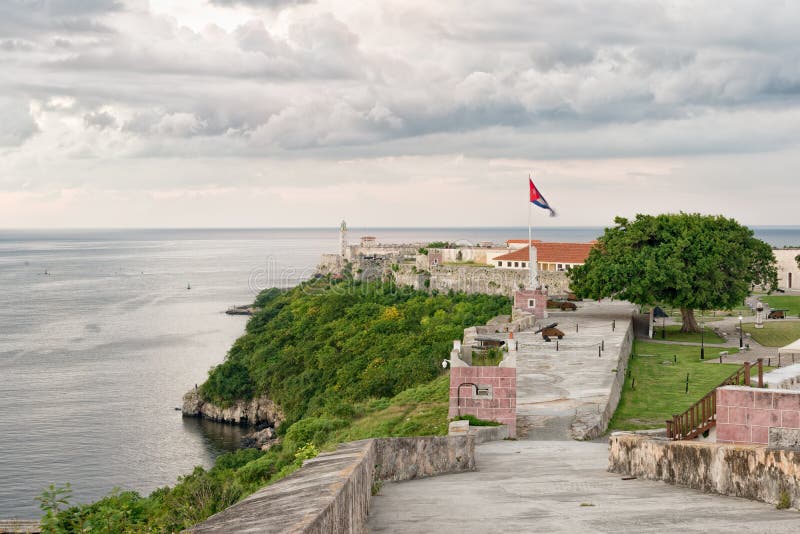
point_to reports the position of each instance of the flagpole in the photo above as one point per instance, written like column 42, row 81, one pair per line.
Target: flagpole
column 530, row 244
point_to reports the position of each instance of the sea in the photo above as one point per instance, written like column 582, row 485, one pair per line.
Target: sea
column 102, row 331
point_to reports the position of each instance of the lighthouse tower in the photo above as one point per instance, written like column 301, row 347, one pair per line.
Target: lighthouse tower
column 343, row 240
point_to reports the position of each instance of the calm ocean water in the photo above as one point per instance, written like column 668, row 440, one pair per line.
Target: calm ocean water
column 95, row 355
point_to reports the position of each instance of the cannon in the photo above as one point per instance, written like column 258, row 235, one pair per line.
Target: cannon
column 550, row 331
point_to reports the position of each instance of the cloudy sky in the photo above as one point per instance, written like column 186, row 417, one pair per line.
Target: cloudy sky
column 117, row 113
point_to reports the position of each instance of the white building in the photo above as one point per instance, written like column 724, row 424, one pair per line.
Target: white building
column 788, row 272
column 549, row 256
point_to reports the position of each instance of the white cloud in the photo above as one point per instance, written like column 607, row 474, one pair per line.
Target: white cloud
column 98, row 87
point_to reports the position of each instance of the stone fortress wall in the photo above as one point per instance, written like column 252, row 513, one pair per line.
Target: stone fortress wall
column 440, row 269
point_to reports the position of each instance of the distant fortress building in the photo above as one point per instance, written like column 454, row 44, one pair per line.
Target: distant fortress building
column 482, row 268
column 549, row 256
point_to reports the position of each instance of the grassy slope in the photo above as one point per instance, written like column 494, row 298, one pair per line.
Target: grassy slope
column 783, row 302
column 419, row 411
column 776, row 332
column 673, row 333
column 660, row 388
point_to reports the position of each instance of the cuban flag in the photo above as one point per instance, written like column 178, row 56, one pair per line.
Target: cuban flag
column 538, row 199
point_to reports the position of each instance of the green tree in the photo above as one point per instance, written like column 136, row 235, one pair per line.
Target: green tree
column 689, row 261
column 51, row 502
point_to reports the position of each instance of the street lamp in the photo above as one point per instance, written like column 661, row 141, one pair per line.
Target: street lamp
column 741, row 340
column 702, row 340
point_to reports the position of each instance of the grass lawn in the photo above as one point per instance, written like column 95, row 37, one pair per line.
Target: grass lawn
column 710, row 315
column 783, row 302
column 660, row 388
column 673, row 333
column 776, row 332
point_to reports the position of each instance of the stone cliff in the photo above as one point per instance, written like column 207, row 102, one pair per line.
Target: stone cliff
column 258, row 411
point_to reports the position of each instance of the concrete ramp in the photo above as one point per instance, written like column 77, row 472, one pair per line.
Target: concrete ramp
column 567, row 387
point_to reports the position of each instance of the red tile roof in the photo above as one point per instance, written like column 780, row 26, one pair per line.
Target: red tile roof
column 550, row 252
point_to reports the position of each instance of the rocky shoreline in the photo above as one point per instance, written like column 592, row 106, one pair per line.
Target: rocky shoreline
column 261, row 413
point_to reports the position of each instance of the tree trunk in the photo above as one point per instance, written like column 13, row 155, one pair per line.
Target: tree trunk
column 689, row 322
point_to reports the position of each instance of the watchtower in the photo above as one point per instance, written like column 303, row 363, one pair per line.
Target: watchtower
column 343, row 240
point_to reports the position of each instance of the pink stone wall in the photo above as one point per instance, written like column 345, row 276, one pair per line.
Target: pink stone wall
column 503, row 405
column 522, row 297
column 745, row 415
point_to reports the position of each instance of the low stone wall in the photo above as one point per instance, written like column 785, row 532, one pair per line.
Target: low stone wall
column 484, row 434
column 745, row 415
column 19, row 526
column 590, row 425
column 751, row 472
column 331, row 492
column 500, row 407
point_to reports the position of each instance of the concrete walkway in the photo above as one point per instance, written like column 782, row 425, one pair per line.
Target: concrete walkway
column 555, row 387
column 529, row 486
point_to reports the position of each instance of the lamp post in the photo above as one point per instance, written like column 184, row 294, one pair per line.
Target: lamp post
column 741, row 339
column 702, row 340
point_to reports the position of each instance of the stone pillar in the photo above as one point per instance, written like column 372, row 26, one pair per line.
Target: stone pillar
column 759, row 315
column 455, row 355
column 510, row 358
column 533, row 301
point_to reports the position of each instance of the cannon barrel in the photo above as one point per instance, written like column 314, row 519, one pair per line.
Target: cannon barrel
column 553, row 325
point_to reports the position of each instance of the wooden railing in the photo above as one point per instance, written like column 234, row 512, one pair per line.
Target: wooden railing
column 702, row 415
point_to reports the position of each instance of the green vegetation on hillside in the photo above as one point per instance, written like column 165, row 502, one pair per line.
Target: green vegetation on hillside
column 344, row 360
column 660, row 383
column 319, row 347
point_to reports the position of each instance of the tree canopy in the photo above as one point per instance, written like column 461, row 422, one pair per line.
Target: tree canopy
column 689, row 261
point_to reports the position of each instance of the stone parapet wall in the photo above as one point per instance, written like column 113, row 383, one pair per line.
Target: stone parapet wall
column 593, row 425
column 331, row 492
column 501, row 407
column 745, row 415
column 751, row 472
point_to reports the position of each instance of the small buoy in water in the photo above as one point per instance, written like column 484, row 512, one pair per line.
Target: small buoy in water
column 188, row 286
